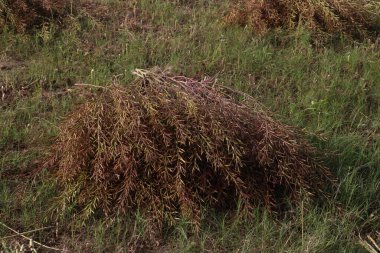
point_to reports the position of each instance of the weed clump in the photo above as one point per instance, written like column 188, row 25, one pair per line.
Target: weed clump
column 23, row 15
column 357, row 19
column 170, row 146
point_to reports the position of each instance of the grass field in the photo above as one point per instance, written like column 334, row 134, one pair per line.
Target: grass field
column 332, row 93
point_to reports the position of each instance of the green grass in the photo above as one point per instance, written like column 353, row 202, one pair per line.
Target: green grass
column 333, row 93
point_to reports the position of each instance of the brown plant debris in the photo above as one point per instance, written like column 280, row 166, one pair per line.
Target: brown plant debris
column 23, row 15
column 170, row 146
column 354, row 18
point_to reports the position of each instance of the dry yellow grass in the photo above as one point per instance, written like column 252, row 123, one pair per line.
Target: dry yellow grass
column 354, row 18
column 371, row 243
column 170, row 146
column 23, row 15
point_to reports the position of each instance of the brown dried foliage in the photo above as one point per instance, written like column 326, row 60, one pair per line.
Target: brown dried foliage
column 170, row 146
column 23, row 15
column 354, row 18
